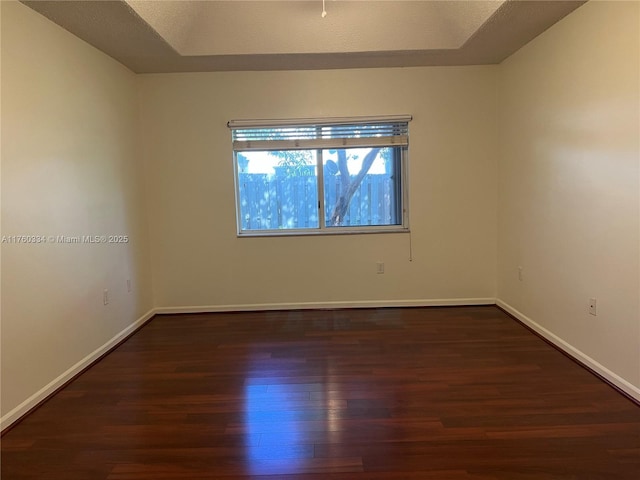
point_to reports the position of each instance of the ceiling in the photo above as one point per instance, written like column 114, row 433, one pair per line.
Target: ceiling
column 190, row 36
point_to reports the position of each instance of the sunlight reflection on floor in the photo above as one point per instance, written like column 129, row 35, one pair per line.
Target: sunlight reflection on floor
column 275, row 439
column 283, row 420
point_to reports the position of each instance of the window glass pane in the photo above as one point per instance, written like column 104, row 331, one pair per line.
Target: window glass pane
column 277, row 189
column 362, row 186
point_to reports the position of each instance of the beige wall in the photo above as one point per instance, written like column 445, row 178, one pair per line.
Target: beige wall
column 568, row 189
column 197, row 259
column 69, row 167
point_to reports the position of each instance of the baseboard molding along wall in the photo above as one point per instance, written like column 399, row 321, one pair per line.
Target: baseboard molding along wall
column 34, row 400
column 448, row 302
column 609, row 376
column 42, row 394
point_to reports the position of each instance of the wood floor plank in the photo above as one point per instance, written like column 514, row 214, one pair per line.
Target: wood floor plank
column 461, row 393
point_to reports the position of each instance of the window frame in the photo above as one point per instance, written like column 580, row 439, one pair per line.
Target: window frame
column 400, row 161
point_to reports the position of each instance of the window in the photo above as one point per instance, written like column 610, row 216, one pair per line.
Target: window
column 321, row 176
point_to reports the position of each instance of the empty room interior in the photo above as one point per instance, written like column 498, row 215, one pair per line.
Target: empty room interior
column 320, row 239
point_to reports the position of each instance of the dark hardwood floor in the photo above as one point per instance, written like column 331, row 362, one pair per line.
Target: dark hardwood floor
column 420, row 393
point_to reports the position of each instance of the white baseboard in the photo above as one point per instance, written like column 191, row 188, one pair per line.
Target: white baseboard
column 15, row 414
column 18, row 412
column 327, row 305
column 580, row 356
column 11, row 417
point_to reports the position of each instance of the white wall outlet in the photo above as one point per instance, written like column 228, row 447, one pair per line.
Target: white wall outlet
column 520, row 273
column 380, row 267
column 128, row 285
column 593, row 306
column 105, row 297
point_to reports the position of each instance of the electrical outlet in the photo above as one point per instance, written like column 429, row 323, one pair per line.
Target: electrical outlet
column 593, row 306
column 105, row 297
column 520, row 274
column 380, row 267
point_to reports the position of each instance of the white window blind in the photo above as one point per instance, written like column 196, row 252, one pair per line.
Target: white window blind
column 303, row 134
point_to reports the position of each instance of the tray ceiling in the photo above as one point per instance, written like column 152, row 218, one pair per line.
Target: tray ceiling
column 178, row 36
